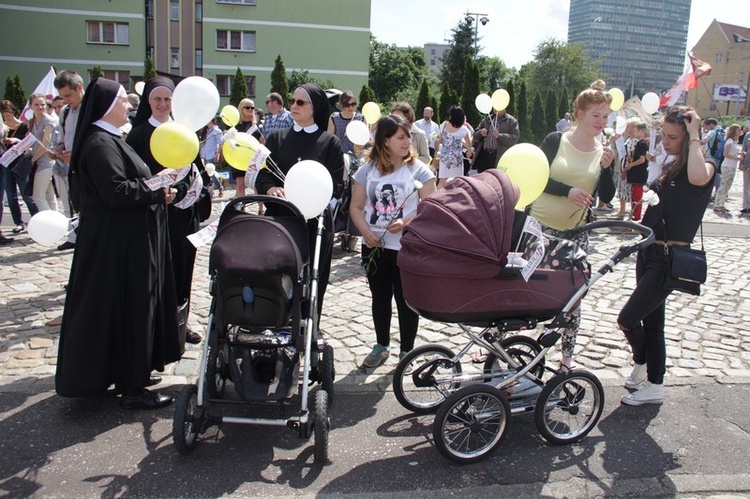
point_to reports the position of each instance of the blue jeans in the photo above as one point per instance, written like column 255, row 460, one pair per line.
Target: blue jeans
column 12, row 185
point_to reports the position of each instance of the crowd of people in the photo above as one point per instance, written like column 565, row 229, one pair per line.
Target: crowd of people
column 133, row 262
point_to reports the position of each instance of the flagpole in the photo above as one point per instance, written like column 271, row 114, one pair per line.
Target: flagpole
column 710, row 96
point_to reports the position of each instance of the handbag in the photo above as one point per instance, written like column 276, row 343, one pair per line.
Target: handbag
column 686, row 269
column 28, row 189
column 606, row 188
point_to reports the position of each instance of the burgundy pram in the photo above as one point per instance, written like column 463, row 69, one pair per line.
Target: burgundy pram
column 453, row 269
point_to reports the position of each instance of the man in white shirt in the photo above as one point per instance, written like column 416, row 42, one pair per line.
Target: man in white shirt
column 430, row 129
column 564, row 124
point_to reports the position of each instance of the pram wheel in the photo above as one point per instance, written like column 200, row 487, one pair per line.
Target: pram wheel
column 569, row 406
column 327, row 372
column 523, row 349
column 216, row 373
column 471, row 423
column 186, row 426
column 424, row 378
column 322, row 424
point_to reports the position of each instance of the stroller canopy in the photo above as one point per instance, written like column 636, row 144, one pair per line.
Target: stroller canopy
column 463, row 230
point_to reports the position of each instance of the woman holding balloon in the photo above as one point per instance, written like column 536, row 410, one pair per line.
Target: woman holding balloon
column 119, row 321
column 307, row 139
column 248, row 124
column 576, row 159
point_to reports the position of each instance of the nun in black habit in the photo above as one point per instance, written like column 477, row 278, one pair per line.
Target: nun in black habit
column 307, row 139
column 182, row 222
column 120, row 320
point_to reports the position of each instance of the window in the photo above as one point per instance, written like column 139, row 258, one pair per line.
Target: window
column 106, row 32
column 121, row 77
column 174, row 10
column 198, row 59
column 224, row 84
column 175, row 58
column 150, row 52
column 432, row 62
column 241, row 2
column 199, row 12
column 149, row 9
column 243, row 41
column 719, row 57
column 432, row 51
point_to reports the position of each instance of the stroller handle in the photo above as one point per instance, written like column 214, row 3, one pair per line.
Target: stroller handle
column 262, row 198
column 646, row 232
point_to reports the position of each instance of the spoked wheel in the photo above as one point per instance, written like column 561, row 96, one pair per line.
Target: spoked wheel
column 569, row 406
column 425, row 377
column 471, row 423
column 186, row 425
column 522, row 349
column 327, row 372
column 322, row 424
column 216, row 373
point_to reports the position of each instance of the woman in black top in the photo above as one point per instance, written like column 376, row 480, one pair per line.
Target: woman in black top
column 684, row 189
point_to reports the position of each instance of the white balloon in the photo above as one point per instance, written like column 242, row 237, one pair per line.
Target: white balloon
column 195, row 102
column 650, row 102
column 48, row 227
column 358, row 132
column 483, row 102
column 139, row 87
column 309, row 186
column 620, row 124
column 210, row 169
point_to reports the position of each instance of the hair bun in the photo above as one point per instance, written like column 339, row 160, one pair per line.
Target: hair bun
column 598, row 85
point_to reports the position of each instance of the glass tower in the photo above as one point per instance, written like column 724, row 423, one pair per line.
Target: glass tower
column 640, row 43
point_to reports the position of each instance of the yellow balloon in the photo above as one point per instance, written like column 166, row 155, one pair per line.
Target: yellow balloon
column 371, row 112
column 240, row 151
column 618, row 99
column 174, row 145
column 500, row 99
column 528, row 168
column 230, row 115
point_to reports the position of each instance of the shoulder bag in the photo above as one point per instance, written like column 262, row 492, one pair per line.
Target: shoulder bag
column 686, row 269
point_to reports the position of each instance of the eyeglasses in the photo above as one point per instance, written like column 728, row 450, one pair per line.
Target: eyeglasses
column 351, row 104
column 299, row 102
column 248, row 107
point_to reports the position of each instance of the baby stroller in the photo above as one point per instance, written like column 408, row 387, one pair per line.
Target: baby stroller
column 454, row 269
column 263, row 279
column 342, row 219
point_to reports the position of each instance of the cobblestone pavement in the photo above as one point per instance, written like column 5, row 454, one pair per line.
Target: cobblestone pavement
column 706, row 337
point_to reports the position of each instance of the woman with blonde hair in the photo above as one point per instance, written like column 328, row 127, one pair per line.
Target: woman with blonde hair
column 248, row 124
column 576, row 159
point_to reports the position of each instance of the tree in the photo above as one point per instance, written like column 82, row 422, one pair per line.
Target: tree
column 522, row 112
column 423, row 99
column 537, row 133
column 149, row 70
column 435, row 109
column 366, row 95
column 550, row 111
column 96, row 72
column 279, row 82
column 564, row 106
column 470, row 92
column 511, row 88
column 448, row 99
column 454, row 59
column 14, row 91
column 297, row 78
column 492, row 73
column 557, row 64
column 239, row 88
column 394, row 70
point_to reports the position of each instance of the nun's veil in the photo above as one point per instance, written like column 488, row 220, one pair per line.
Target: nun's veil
column 144, row 109
column 320, row 105
column 97, row 101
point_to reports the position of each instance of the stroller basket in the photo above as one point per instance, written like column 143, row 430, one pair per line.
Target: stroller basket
column 264, row 374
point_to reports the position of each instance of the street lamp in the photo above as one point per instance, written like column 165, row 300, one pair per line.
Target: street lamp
column 473, row 17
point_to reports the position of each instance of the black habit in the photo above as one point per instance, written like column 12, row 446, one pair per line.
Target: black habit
column 120, row 319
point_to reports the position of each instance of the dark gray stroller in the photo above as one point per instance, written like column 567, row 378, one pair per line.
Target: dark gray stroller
column 263, row 280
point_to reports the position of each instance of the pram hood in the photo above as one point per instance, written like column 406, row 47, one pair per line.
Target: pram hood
column 469, row 224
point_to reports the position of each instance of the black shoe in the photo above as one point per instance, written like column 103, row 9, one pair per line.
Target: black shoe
column 146, row 400
column 152, row 380
column 5, row 240
column 192, row 337
column 66, row 246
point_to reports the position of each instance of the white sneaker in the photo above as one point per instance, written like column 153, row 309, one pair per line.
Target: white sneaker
column 637, row 377
column 649, row 394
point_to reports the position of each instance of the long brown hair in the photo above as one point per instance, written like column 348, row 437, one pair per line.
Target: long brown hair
column 676, row 116
column 388, row 126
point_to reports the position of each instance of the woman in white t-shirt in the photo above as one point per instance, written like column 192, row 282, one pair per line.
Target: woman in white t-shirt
column 732, row 158
column 385, row 194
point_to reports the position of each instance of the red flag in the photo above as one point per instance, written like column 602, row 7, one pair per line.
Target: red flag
column 700, row 68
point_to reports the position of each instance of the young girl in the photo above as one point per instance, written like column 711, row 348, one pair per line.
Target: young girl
column 636, row 168
column 732, row 157
column 384, row 197
column 42, row 125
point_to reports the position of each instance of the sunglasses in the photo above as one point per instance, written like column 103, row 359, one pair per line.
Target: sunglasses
column 299, row 102
column 248, row 107
column 351, row 104
column 681, row 116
